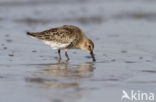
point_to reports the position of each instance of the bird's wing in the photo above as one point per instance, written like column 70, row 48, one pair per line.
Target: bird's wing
column 64, row 34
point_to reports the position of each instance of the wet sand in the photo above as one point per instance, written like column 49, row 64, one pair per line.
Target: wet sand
column 124, row 37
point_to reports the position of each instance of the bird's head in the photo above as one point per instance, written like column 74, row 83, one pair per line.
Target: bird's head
column 89, row 47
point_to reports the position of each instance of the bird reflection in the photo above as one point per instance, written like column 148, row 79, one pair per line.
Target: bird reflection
column 69, row 71
column 62, row 74
column 63, row 80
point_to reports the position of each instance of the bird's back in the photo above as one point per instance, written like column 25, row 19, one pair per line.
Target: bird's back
column 68, row 35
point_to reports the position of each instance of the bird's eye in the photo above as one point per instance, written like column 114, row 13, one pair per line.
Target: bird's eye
column 89, row 46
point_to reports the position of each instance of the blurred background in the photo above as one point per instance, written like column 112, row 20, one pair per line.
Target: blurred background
column 123, row 32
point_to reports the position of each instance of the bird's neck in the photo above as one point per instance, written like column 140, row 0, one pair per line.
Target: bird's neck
column 82, row 43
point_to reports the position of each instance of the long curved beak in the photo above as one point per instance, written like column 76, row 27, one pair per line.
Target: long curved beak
column 92, row 54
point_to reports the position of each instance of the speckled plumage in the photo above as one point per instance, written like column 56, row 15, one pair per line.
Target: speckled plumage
column 64, row 37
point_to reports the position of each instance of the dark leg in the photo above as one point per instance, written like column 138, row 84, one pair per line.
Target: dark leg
column 59, row 54
column 67, row 55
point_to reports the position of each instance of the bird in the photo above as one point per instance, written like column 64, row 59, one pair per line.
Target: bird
column 65, row 37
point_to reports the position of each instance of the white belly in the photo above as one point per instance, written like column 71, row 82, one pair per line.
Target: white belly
column 56, row 45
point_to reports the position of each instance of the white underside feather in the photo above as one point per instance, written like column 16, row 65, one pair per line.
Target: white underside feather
column 56, row 45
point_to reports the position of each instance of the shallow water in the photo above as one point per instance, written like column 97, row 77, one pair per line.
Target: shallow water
column 124, row 37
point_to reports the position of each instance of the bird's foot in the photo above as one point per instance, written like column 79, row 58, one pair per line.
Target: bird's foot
column 67, row 59
column 59, row 59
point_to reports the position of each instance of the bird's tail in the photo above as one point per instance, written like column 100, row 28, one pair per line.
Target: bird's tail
column 31, row 34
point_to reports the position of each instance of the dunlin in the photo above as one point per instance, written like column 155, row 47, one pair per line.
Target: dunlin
column 64, row 38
